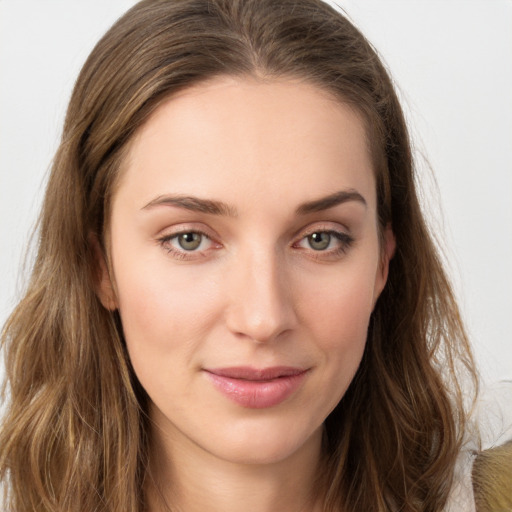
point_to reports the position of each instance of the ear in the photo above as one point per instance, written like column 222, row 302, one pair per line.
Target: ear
column 102, row 280
column 388, row 251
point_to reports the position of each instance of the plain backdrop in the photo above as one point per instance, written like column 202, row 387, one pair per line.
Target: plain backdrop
column 452, row 62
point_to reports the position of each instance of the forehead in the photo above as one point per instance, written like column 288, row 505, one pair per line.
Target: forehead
column 237, row 137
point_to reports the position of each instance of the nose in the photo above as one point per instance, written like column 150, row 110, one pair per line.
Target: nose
column 260, row 304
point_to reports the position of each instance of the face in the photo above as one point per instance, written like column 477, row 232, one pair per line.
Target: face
column 246, row 263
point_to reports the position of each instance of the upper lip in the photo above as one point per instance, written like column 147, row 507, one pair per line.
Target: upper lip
column 250, row 373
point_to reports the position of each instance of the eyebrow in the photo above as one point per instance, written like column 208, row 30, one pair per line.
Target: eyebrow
column 330, row 201
column 194, row 204
column 213, row 207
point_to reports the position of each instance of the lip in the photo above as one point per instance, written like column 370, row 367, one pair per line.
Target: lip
column 257, row 388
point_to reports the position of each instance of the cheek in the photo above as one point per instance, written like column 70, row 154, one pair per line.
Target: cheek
column 166, row 312
column 337, row 316
column 339, row 311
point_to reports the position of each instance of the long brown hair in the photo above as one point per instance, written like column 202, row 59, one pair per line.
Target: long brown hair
column 75, row 435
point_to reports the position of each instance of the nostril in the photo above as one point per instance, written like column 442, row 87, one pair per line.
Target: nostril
column 259, row 320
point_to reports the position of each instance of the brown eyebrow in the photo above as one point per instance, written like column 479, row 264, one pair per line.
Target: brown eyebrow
column 330, row 201
column 213, row 207
column 194, row 204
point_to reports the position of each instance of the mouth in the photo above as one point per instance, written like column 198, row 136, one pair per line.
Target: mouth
column 257, row 388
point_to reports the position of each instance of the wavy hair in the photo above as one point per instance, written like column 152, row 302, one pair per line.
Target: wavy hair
column 75, row 435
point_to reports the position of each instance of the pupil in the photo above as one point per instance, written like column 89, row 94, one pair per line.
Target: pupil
column 319, row 241
column 189, row 241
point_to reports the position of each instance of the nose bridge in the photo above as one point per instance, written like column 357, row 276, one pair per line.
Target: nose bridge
column 260, row 305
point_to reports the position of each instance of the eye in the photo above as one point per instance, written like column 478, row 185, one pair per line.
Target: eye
column 326, row 243
column 187, row 244
column 319, row 241
column 189, row 241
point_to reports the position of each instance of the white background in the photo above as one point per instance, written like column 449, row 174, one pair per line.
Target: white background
column 452, row 60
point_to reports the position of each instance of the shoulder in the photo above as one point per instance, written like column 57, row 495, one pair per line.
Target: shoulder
column 492, row 467
column 492, row 479
column 483, row 474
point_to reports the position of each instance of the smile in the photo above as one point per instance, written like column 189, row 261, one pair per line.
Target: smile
column 257, row 388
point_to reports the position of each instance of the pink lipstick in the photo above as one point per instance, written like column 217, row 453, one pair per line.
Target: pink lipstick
column 257, row 388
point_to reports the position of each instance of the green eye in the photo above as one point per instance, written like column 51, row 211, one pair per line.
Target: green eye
column 319, row 241
column 190, row 241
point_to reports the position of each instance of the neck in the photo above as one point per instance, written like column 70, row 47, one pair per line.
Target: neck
column 188, row 479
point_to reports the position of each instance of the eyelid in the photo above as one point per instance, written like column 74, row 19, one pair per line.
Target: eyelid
column 322, row 227
column 187, row 227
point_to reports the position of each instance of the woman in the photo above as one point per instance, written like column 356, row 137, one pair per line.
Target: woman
column 236, row 301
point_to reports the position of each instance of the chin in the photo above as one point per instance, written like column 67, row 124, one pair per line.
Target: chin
column 264, row 446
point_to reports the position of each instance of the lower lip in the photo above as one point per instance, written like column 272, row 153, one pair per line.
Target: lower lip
column 257, row 394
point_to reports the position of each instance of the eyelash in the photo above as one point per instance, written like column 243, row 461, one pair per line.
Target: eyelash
column 345, row 242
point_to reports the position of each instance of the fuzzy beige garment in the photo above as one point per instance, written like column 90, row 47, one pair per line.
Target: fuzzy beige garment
column 483, row 475
column 492, row 469
column 492, row 479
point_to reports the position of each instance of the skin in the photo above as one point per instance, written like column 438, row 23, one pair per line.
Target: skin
column 256, row 291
